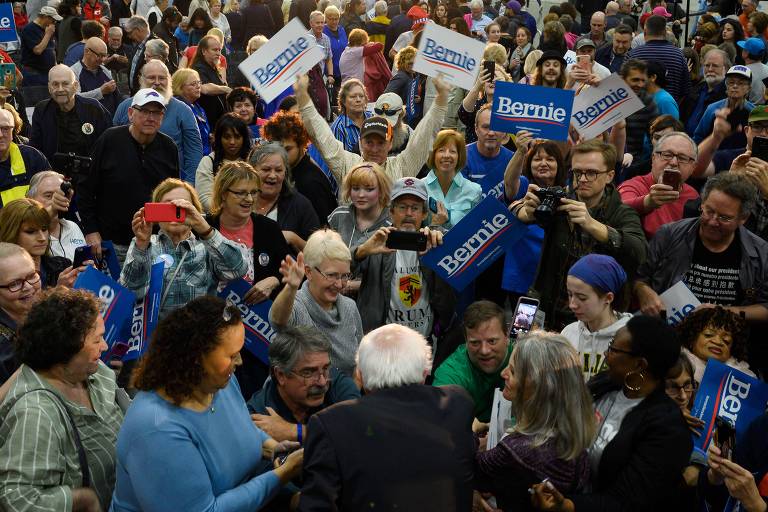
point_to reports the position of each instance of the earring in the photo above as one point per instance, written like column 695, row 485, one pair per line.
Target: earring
column 627, row 378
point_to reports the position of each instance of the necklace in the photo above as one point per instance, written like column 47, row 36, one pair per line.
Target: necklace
column 267, row 208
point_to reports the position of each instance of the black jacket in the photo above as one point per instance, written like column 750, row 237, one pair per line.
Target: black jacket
column 641, row 468
column 314, row 185
column 257, row 20
column 295, row 213
column 50, row 268
column 8, row 363
column 688, row 104
column 162, row 32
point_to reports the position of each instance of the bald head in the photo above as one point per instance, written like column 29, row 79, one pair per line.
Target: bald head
column 94, row 54
column 62, row 86
column 96, row 44
column 61, row 72
column 597, row 25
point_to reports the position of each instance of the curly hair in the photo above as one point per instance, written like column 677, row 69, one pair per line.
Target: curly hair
column 56, row 327
column 174, row 361
column 286, row 125
column 715, row 318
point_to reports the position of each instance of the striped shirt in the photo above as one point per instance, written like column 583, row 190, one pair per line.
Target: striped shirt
column 346, row 131
column 39, row 463
column 673, row 60
column 207, row 262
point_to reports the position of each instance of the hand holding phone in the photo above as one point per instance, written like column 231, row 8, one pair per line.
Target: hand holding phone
column 489, row 70
column 523, row 317
column 82, row 254
column 407, row 241
column 672, row 178
column 725, row 437
column 164, row 212
column 760, row 148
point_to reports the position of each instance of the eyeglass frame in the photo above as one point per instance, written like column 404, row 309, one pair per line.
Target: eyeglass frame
column 242, row 194
column 686, row 160
column 315, row 377
column 150, row 113
column 577, row 173
column 346, row 277
column 406, row 208
column 22, row 281
column 611, row 348
column 99, row 55
column 722, row 219
column 675, row 389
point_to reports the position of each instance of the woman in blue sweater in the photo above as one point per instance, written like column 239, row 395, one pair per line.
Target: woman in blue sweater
column 187, row 442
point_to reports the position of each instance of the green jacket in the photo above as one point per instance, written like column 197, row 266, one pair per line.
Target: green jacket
column 459, row 370
column 565, row 243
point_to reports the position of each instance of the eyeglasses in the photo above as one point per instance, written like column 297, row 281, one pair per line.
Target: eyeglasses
column 709, row 213
column 150, row 113
column 588, row 175
column 193, row 84
column 674, row 389
column 759, row 129
column 99, row 55
column 737, row 83
column 16, row 286
column 668, row 156
column 611, row 348
column 403, row 208
column 310, row 375
column 242, row 194
column 334, row 276
column 386, row 111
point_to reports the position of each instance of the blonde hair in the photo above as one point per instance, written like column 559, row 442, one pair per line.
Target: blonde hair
column 531, row 60
column 169, row 184
column 496, row 53
column 332, row 9
column 407, row 54
column 229, row 7
column 180, row 77
column 445, row 137
column 358, row 37
column 19, row 212
column 325, row 244
column 371, row 174
column 229, row 174
column 217, row 33
column 18, row 123
column 255, row 43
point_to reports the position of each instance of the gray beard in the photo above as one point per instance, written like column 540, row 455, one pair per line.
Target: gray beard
column 399, row 135
column 713, row 81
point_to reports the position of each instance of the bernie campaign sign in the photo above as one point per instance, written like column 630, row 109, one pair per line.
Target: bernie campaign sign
column 474, row 243
column 273, row 68
column 730, row 394
column 543, row 111
column 146, row 311
column 116, row 301
column 444, row 52
column 7, row 23
column 598, row 108
column 258, row 331
column 493, row 184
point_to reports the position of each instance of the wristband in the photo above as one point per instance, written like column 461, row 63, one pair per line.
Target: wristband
column 298, row 432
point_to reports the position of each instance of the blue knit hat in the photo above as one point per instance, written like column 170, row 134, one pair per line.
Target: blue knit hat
column 600, row 271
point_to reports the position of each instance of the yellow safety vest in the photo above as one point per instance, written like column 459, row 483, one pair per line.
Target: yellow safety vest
column 17, row 169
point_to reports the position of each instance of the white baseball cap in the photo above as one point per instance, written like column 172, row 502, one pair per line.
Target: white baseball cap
column 145, row 96
column 49, row 11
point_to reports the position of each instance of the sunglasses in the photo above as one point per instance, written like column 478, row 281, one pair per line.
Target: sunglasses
column 386, row 112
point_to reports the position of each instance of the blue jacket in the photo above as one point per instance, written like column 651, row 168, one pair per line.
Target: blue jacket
column 704, row 128
column 45, row 134
column 337, row 46
column 179, row 124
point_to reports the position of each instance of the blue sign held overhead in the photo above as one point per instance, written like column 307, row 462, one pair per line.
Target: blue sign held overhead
column 543, row 111
column 470, row 247
column 258, row 331
column 7, row 24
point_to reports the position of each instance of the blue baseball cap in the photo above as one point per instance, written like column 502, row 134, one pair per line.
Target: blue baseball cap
column 753, row 45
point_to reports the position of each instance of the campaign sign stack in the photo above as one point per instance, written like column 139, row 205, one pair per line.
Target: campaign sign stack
column 258, row 331
column 146, row 311
column 730, row 394
column 274, row 66
column 478, row 240
column 597, row 108
column 543, row 111
column 444, row 52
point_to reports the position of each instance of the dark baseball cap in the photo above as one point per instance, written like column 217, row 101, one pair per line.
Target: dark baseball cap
column 376, row 125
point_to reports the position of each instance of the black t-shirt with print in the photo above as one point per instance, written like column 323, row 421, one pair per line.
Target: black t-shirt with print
column 714, row 277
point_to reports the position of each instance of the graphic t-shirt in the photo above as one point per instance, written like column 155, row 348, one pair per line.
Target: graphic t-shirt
column 714, row 277
column 409, row 299
column 243, row 240
column 610, row 411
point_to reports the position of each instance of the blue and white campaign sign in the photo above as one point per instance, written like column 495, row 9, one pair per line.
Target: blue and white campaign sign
column 474, row 243
column 110, row 258
column 679, row 302
column 274, row 66
column 258, row 331
column 116, row 301
column 442, row 51
column 543, row 111
column 7, row 23
column 570, row 57
column 598, row 108
column 146, row 311
column 730, row 394
column 493, row 184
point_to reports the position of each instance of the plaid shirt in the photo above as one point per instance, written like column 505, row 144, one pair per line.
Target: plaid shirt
column 207, row 263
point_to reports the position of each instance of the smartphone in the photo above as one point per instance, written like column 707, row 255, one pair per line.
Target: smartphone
column 82, row 254
column 725, row 437
column 738, row 118
column 164, row 212
column 672, row 177
column 489, row 69
column 407, row 241
column 8, row 74
column 584, row 62
column 760, row 148
column 432, row 205
column 524, row 316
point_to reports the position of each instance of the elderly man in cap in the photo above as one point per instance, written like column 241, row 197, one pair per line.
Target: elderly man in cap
column 738, row 82
column 590, row 73
column 120, row 182
column 38, row 49
column 375, row 136
column 396, row 286
column 753, row 53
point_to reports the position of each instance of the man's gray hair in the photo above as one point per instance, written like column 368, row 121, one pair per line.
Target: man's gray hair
column 660, row 142
column 292, row 343
column 157, row 49
column 474, row 4
column 38, row 178
column 115, row 31
column 726, row 59
column 136, row 22
column 392, row 356
column 380, row 8
column 734, row 185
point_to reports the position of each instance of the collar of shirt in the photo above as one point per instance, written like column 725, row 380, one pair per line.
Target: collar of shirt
column 458, row 180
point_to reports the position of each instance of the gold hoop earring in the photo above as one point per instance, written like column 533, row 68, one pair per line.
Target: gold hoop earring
column 639, row 385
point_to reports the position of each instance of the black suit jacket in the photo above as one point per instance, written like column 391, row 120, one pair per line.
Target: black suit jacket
column 409, row 448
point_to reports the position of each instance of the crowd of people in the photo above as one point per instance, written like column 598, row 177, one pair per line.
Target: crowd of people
column 382, row 379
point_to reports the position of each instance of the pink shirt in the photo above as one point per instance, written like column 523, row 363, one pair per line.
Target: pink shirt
column 633, row 192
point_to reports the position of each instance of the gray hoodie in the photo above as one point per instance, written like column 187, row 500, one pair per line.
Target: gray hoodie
column 592, row 345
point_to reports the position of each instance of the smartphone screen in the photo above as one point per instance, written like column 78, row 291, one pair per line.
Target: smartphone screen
column 725, row 437
column 489, row 69
column 671, row 177
column 760, row 148
column 524, row 316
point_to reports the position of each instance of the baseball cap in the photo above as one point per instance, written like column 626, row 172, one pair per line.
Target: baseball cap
column 49, row 11
column 740, row 71
column 753, row 45
column 584, row 41
column 145, row 96
column 409, row 186
column 376, row 125
column 759, row 113
column 389, row 105
column 551, row 55
column 661, row 11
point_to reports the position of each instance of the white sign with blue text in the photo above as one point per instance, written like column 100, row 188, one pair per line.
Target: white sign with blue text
column 442, row 51
column 679, row 301
column 274, row 66
column 598, row 108
column 7, row 23
column 474, row 243
column 543, row 111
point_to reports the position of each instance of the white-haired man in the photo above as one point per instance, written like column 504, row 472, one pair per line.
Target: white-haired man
column 348, row 454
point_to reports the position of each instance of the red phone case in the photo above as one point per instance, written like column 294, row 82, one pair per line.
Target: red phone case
column 164, row 212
